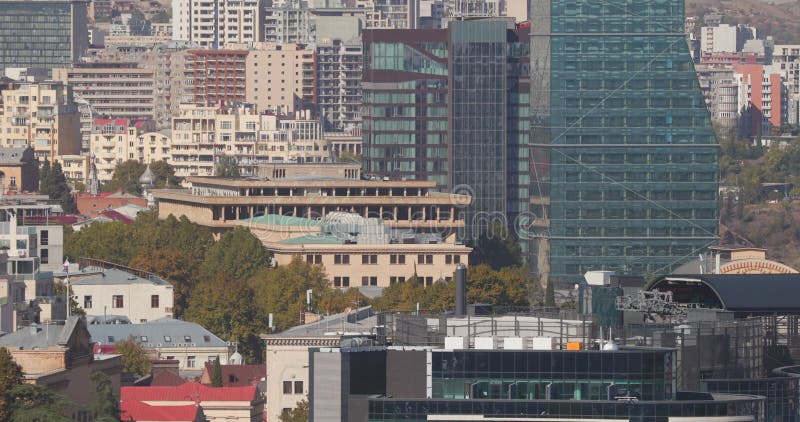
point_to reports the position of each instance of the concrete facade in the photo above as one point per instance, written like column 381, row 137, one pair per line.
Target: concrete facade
column 140, row 297
column 19, row 170
column 216, row 24
column 43, row 116
column 114, row 141
column 280, row 77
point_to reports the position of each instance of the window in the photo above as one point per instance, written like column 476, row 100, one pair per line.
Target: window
column 396, row 279
column 369, row 281
column 143, row 339
column 187, row 339
column 397, row 259
column 190, row 361
column 117, row 301
column 369, row 259
column 167, row 339
column 87, row 302
column 341, row 259
column 287, row 387
column 154, row 301
column 345, row 281
column 424, row 259
column 13, row 183
column 314, row 259
column 44, row 238
column 298, row 387
column 111, row 339
column 44, row 256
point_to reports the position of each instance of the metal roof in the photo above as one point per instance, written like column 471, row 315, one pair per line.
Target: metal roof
column 754, row 293
column 162, row 332
column 282, row 220
column 112, row 276
column 40, row 337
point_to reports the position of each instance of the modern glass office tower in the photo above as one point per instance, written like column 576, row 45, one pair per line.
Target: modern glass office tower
column 451, row 105
column 624, row 172
column 42, row 33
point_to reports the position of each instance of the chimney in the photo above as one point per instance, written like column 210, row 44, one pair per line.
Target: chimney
column 461, row 290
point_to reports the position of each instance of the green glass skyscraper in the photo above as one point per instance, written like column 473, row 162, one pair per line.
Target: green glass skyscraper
column 624, row 159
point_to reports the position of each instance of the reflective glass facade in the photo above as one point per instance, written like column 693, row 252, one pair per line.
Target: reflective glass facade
column 782, row 393
column 451, row 106
column 624, row 157
column 42, row 34
column 410, row 410
column 553, row 375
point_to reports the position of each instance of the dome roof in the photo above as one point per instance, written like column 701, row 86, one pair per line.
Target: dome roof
column 147, row 178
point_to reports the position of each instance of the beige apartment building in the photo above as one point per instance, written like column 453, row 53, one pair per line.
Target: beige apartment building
column 118, row 90
column 43, row 116
column 76, row 167
column 201, row 136
column 280, row 77
column 114, row 141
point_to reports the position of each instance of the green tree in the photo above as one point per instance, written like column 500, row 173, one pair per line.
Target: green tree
column 335, row 300
column 134, row 358
column 37, row 403
column 216, row 378
column 53, row 183
column 281, row 291
column 402, row 296
column 10, row 377
column 227, row 167
column 173, row 265
column 498, row 247
column 225, row 306
column 105, row 406
column 238, row 255
column 61, row 290
column 161, row 17
column 550, row 294
column 298, row 414
column 164, row 175
column 126, row 177
column 505, row 287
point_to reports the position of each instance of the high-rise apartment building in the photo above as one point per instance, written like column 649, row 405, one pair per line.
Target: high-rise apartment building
column 121, row 90
column 287, row 21
column 216, row 23
column 42, row 33
column 761, row 97
column 624, row 174
column 280, row 77
column 339, row 72
column 450, row 105
column 215, row 77
column 43, row 116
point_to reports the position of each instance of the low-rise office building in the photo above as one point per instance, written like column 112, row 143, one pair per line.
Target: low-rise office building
column 422, row 384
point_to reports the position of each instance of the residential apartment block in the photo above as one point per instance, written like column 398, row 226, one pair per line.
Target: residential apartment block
column 201, row 136
column 42, row 33
column 119, row 90
column 287, row 21
column 760, row 99
column 43, row 116
column 280, row 78
column 339, row 73
column 114, row 141
column 216, row 24
column 725, row 38
column 216, row 77
column 103, row 288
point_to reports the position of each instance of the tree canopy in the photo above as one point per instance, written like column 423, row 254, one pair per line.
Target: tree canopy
column 227, row 167
column 126, row 176
column 53, row 183
column 134, row 359
column 237, row 255
column 497, row 246
column 10, row 377
column 299, row 414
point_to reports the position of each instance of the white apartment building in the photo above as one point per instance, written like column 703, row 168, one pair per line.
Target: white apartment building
column 137, row 295
column 202, row 136
column 43, row 116
column 216, row 23
column 32, row 241
column 725, row 38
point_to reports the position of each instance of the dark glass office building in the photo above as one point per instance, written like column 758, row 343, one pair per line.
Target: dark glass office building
column 42, row 33
column 393, row 384
column 451, row 105
column 624, row 157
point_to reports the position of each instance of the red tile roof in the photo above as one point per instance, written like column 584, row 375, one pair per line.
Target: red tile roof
column 115, row 122
column 190, row 391
column 138, row 411
column 114, row 215
column 166, row 379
